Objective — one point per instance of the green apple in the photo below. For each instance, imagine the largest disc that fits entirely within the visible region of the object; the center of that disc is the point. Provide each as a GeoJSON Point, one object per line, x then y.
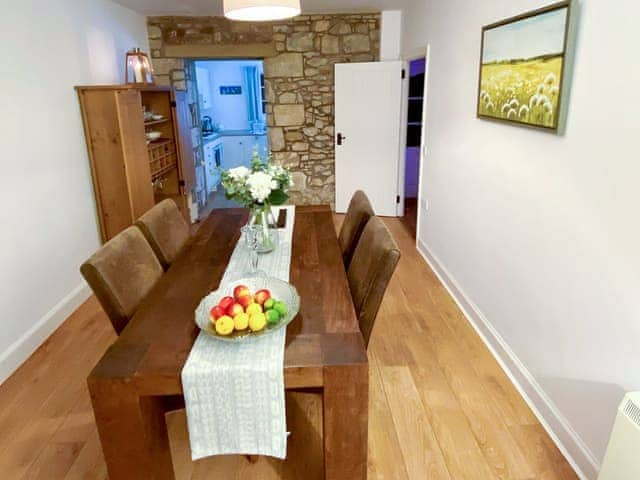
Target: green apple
{"type": "Point", "coordinates": [281, 308]}
{"type": "Point", "coordinates": [273, 317]}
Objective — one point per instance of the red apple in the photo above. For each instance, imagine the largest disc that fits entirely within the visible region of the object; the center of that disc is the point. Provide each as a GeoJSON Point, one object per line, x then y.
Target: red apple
{"type": "Point", "coordinates": [245, 300]}
{"type": "Point", "coordinates": [225, 303]}
{"type": "Point", "coordinates": [240, 291]}
{"type": "Point", "coordinates": [235, 309]}
{"type": "Point", "coordinates": [217, 312]}
{"type": "Point", "coordinates": [262, 296]}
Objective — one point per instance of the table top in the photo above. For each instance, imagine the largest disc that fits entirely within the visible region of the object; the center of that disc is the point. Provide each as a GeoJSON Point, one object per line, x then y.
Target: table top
{"type": "Point", "coordinates": [152, 350]}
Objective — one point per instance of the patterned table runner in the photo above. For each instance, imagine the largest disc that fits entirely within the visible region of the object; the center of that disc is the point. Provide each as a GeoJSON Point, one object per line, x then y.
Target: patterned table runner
{"type": "Point", "coordinates": [234, 393]}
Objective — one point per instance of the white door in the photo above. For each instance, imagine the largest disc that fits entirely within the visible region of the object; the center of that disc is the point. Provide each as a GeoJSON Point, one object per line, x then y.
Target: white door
{"type": "Point", "coordinates": [368, 124]}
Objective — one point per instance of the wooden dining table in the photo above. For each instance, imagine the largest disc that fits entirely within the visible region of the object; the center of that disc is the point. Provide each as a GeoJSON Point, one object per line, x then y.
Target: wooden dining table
{"type": "Point", "coordinates": [138, 379]}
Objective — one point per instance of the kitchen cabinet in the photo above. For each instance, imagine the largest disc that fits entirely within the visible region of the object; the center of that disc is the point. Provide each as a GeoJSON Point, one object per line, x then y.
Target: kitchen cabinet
{"type": "Point", "coordinates": [129, 174]}
{"type": "Point", "coordinates": [238, 149]}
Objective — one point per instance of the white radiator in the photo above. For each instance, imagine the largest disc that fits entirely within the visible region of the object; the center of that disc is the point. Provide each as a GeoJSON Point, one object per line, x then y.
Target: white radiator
{"type": "Point", "coordinates": [622, 460]}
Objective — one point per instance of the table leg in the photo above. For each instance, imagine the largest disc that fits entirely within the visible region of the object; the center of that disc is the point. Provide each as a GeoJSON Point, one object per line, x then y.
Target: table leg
{"type": "Point", "coordinates": [345, 409]}
{"type": "Point", "coordinates": [133, 432]}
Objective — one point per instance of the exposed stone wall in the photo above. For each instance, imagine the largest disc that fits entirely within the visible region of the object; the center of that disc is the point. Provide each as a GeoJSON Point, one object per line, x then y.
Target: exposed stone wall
{"type": "Point", "coordinates": [300, 55]}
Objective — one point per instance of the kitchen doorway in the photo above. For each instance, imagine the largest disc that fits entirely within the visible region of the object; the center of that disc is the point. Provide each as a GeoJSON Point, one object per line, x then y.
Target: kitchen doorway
{"type": "Point", "coordinates": [233, 124]}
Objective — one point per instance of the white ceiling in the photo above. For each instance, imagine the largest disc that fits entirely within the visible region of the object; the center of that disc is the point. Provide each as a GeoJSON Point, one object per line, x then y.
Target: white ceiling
{"type": "Point", "coordinates": [214, 7]}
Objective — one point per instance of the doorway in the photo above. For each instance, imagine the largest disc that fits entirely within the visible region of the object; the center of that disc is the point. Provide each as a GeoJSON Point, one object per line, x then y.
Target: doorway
{"type": "Point", "coordinates": [415, 109]}
{"type": "Point", "coordinates": [233, 125]}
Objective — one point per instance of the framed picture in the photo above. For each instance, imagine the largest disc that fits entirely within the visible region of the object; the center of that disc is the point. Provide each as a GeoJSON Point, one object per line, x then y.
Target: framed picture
{"type": "Point", "coordinates": [522, 67]}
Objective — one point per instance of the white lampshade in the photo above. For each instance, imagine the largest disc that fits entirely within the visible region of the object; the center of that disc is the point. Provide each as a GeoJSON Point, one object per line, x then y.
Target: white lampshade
{"type": "Point", "coordinates": [261, 10]}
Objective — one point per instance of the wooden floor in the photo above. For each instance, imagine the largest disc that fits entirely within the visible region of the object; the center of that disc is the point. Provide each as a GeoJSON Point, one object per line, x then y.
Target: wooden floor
{"type": "Point", "coordinates": [440, 408]}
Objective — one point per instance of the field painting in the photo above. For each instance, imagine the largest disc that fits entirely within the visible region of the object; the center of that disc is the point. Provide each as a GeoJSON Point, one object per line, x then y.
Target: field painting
{"type": "Point", "coordinates": [522, 68]}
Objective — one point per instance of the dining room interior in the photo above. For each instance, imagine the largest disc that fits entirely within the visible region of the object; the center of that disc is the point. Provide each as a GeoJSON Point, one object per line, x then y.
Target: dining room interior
{"type": "Point", "coordinates": [320, 239]}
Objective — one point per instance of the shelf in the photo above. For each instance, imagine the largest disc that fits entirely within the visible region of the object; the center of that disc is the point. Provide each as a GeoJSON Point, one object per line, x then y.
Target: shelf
{"type": "Point", "coordinates": [155, 122]}
{"type": "Point", "coordinates": [163, 171]}
{"type": "Point", "coordinates": [159, 142]}
{"type": "Point", "coordinates": [162, 157]}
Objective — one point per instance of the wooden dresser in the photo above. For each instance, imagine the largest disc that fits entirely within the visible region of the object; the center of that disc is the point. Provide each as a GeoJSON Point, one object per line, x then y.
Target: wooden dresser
{"type": "Point", "coordinates": [130, 174]}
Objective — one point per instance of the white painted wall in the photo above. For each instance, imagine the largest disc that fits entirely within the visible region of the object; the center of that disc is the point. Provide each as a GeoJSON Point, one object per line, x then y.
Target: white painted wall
{"type": "Point", "coordinates": [49, 218]}
{"type": "Point", "coordinates": [390, 35]}
{"type": "Point", "coordinates": [538, 234]}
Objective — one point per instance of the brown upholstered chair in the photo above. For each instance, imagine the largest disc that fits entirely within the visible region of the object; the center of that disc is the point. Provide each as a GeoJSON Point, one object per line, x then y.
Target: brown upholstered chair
{"type": "Point", "coordinates": [121, 274]}
{"type": "Point", "coordinates": [372, 266]}
{"type": "Point", "coordinates": [166, 231]}
{"type": "Point", "coordinates": [358, 214]}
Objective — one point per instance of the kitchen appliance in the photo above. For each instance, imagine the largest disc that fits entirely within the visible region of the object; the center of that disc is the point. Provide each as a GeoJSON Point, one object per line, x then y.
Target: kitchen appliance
{"type": "Point", "coordinates": [207, 125]}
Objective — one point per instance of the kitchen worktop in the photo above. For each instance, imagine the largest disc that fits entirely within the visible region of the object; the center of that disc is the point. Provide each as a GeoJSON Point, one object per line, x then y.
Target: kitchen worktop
{"type": "Point", "coordinates": [231, 133]}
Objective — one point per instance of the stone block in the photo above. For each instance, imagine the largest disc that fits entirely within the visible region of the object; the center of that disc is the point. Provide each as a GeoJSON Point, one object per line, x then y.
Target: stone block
{"type": "Point", "coordinates": [276, 139]}
{"type": "Point", "coordinates": [154, 31]}
{"type": "Point", "coordinates": [288, 97]}
{"type": "Point", "coordinates": [163, 66]}
{"type": "Point", "coordinates": [284, 65]}
{"type": "Point", "coordinates": [321, 25]}
{"type": "Point", "coordinates": [300, 42]}
{"type": "Point", "coordinates": [299, 181]}
{"type": "Point", "coordinates": [293, 137]}
{"type": "Point", "coordinates": [340, 28]}
{"type": "Point", "coordinates": [356, 43]}
{"type": "Point", "coordinates": [289, 115]}
{"type": "Point", "coordinates": [317, 61]}
{"type": "Point", "coordinates": [330, 44]}
{"type": "Point", "coordinates": [300, 147]}
{"type": "Point", "coordinates": [287, 159]}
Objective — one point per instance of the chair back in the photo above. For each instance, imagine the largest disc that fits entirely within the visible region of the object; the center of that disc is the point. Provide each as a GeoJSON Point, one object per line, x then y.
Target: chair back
{"type": "Point", "coordinates": [358, 214]}
{"type": "Point", "coordinates": [121, 274]}
{"type": "Point", "coordinates": [370, 271]}
{"type": "Point", "coordinates": [166, 230]}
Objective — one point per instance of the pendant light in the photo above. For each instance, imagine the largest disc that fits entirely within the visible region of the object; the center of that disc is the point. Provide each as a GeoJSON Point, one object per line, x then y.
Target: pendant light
{"type": "Point", "coordinates": [138, 69]}
{"type": "Point", "coordinates": [261, 10]}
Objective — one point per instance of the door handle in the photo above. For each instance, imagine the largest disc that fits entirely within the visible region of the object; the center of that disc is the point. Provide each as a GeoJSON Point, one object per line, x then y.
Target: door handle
{"type": "Point", "coordinates": [341, 138]}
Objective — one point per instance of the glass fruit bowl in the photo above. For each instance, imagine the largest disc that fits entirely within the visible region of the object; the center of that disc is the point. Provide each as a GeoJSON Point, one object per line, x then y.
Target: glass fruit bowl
{"type": "Point", "coordinates": [278, 291]}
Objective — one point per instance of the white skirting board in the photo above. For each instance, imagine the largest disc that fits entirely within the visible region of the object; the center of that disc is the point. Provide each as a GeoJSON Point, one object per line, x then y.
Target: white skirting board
{"type": "Point", "coordinates": [28, 343]}
{"type": "Point", "coordinates": [556, 425]}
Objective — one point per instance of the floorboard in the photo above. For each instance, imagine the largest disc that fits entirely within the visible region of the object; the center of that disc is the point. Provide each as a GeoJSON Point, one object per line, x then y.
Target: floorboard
{"type": "Point", "coordinates": [441, 407]}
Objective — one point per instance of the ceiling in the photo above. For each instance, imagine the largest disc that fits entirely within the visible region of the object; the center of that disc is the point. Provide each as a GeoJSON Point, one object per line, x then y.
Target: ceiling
{"type": "Point", "coordinates": [214, 7]}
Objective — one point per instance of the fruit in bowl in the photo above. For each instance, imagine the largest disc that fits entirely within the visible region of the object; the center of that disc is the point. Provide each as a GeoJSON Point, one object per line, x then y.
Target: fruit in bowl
{"type": "Point", "coordinates": [245, 310]}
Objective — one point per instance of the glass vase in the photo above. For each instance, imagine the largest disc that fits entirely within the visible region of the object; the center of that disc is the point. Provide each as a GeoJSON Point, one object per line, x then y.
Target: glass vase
{"type": "Point", "coordinates": [261, 215]}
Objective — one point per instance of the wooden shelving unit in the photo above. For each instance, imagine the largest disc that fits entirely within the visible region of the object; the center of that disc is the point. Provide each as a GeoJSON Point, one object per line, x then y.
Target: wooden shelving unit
{"type": "Point", "coordinates": [129, 174]}
{"type": "Point", "coordinates": [150, 123]}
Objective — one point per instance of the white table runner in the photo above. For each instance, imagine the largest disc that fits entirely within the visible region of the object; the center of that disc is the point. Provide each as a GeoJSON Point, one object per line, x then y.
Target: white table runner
{"type": "Point", "coordinates": [234, 392]}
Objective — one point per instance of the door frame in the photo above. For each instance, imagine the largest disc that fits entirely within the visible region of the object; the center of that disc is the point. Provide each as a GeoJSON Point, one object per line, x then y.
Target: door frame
{"type": "Point", "coordinates": [417, 54]}
{"type": "Point", "coordinates": [423, 204]}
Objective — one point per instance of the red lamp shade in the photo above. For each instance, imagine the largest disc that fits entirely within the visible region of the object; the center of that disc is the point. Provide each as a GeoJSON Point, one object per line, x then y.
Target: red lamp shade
{"type": "Point", "coordinates": [138, 68]}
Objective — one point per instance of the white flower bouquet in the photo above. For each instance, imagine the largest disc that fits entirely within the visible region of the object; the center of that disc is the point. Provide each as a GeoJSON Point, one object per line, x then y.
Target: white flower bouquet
{"type": "Point", "coordinates": [262, 184]}
{"type": "Point", "coordinates": [259, 188]}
